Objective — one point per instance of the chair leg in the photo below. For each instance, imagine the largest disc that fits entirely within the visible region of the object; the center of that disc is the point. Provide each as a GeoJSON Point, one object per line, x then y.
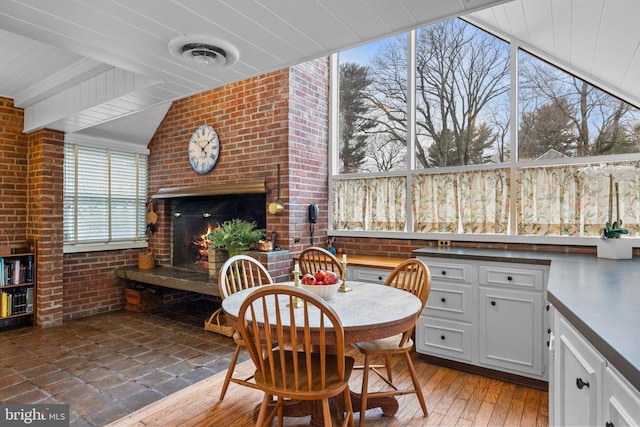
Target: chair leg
{"type": "Point", "coordinates": [264, 407]}
{"type": "Point", "coordinates": [326, 413]}
{"type": "Point", "coordinates": [348, 408]}
{"type": "Point", "coordinates": [416, 384]}
{"type": "Point", "coordinates": [280, 412]}
{"type": "Point", "coordinates": [232, 366]}
{"type": "Point", "coordinates": [364, 391]}
{"type": "Point", "coordinates": [387, 361]}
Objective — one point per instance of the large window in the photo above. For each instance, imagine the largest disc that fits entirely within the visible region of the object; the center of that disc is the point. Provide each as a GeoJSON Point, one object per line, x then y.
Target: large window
{"type": "Point", "coordinates": [104, 196]}
{"type": "Point", "coordinates": [449, 129]}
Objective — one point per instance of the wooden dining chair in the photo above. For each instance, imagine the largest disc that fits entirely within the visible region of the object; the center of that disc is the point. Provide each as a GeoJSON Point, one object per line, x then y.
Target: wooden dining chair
{"type": "Point", "coordinates": [305, 358]}
{"type": "Point", "coordinates": [412, 276]}
{"type": "Point", "coordinates": [238, 273]}
{"type": "Point", "coordinates": [314, 258]}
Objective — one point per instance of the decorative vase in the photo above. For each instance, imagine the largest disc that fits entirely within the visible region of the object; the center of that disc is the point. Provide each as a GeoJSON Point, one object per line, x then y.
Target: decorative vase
{"type": "Point", "coordinates": [217, 258]}
{"type": "Point", "coordinates": [615, 248]}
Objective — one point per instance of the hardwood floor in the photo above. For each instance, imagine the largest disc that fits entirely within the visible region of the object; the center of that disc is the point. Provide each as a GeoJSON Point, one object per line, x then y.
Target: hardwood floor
{"type": "Point", "coordinates": [454, 398]}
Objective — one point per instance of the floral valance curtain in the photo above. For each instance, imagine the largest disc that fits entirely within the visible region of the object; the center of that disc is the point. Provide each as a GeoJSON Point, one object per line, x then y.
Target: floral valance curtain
{"type": "Point", "coordinates": [484, 201]}
{"type": "Point", "coordinates": [370, 204]}
{"type": "Point", "coordinates": [569, 200]}
{"type": "Point", "coordinates": [435, 203]}
{"type": "Point", "coordinates": [577, 200]}
{"type": "Point", "coordinates": [601, 204]}
{"type": "Point", "coordinates": [548, 201]}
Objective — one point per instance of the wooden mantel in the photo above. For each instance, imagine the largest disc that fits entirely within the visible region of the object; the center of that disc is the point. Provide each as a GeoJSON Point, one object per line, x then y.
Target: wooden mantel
{"type": "Point", "coordinates": [214, 189]}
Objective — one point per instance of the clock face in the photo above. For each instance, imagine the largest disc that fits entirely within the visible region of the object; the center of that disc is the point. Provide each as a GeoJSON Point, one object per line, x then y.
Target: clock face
{"type": "Point", "coordinates": [204, 147]}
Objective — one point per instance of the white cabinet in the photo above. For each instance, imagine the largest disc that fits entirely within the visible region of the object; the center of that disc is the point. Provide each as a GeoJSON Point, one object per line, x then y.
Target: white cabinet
{"type": "Point", "coordinates": [577, 371]}
{"type": "Point", "coordinates": [621, 401]}
{"type": "Point", "coordinates": [367, 274]}
{"type": "Point", "coordinates": [585, 389]}
{"type": "Point", "coordinates": [510, 330]}
{"type": "Point", "coordinates": [486, 313]}
{"type": "Point", "coordinates": [445, 328]}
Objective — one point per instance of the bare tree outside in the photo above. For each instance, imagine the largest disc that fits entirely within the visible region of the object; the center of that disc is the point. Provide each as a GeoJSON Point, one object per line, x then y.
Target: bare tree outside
{"type": "Point", "coordinates": [462, 73]}
{"type": "Point", "coordinates": [462, 81]}
{"type": "Point", "coordinates": [561, 112]}
{"type": "Point", "coordinates": [463, 106]}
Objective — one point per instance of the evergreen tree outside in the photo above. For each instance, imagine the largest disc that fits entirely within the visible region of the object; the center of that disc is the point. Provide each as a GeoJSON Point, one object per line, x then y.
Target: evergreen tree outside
{"type": "Point", "coordinates": [354, 122]}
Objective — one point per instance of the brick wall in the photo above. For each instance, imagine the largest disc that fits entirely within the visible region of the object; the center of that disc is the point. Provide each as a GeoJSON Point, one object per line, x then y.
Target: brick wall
{"type": "Point", "coordinates": [278, 118]}
{"type": "Point", "coordinates": [13, 167]}
{"type": "Point", "coordinates": [44, 210]}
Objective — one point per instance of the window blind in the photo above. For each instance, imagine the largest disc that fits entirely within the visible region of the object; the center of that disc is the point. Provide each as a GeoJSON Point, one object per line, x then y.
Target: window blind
{"type": "Point", "coordinates": [104, 195]}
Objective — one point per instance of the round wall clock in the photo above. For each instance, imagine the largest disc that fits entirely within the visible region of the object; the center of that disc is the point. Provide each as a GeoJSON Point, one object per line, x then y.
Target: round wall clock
{"type": "Point", "coordinates": [204, 147]}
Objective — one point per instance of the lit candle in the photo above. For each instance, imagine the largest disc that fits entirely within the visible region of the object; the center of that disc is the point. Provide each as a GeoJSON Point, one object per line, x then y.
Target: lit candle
{"type": "Point", "coordinates": [344, 258]}
{"type": "Point", "coordinates": [296, 269]}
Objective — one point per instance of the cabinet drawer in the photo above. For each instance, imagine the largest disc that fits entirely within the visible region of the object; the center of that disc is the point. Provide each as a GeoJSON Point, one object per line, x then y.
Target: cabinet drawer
{"type": "Point", "coordinates": [449, 271]}
{"type": "Point", "coordinates": [444, 338]}
{"type": "Point", "coordinates": [369, 275]}
{"type": "Point", "coordinates": [450, 301]}
{"type": "Point", "coordinates": [513, 277]}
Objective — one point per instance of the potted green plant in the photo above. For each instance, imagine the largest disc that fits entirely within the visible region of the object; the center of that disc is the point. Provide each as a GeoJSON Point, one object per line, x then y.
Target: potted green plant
{"type": "Point", "coordinates": [236, 236]}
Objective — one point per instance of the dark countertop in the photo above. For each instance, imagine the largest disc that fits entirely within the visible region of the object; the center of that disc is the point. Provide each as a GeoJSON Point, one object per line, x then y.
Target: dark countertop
{"type": "Point", "coordinates": [600, 297]}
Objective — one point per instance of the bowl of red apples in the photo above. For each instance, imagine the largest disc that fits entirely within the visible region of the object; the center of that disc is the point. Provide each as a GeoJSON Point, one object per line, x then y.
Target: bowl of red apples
{"type": "Point", "coordinates": [322, 283]}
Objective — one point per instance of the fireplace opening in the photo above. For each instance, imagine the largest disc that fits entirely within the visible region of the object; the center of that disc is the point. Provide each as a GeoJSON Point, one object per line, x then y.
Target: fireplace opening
{"type": "Point", "coordinates": [193, 217]}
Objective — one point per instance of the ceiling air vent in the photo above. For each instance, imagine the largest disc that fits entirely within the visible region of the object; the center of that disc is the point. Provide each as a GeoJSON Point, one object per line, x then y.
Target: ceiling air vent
{"type": "Point", "coordinates": [203, 50]}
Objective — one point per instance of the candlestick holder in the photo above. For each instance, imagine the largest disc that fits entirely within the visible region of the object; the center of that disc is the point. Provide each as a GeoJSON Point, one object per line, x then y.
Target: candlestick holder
{"type": "Point", "coordinates": [297, 303]}
{"type": "Point", "coordinates": [343, 287]}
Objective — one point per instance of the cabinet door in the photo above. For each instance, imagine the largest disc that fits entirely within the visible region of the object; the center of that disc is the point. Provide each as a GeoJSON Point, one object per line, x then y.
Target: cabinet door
{"type": "Point", "coordinates": [621, 401]}
{"type": "Point", "coordinates": [510, 330]}
{"type": "Point", "coordinates": [577, 372]}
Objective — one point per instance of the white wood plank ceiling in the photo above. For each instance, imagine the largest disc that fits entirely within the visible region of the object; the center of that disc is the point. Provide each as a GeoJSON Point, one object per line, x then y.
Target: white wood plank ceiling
{"type": "Point", "coordinates": [103, 67]}
{"type": "Point", "coordinates": [598, 39]}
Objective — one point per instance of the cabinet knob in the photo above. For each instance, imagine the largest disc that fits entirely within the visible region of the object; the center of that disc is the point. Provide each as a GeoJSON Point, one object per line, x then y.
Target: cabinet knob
{"type": "Point", "coordinates": [380, 278]}
{"type": "Point", "coordinates": [609, 424]}
{"type": "Point", "coordinates": [443, 299]}
{"type": "Point", "coordinates": [493, 303]}
{"type": "Point", "coordinates": [442, 337]}
{"type": "Point", "coordinates": [549, 330]}
{"type": "Point", "coordinates": [509, 278]}
{"type": "Point", "coordinates": [581, 384]}
{"type": "Point", "coordinates": [444, 273]}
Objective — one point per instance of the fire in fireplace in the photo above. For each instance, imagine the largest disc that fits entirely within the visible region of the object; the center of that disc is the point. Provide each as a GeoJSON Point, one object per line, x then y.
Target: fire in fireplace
{"type": "Point", "coordinates": [194, 217]}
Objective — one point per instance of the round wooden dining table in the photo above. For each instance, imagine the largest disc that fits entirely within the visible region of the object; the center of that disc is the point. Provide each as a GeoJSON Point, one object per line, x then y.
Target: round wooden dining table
{"type": "Point", "coordinates": [368, 312]}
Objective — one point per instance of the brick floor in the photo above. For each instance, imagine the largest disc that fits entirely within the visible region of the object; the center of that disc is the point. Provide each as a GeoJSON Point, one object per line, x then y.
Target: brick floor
{"type": "Point", "coordinates": [109, 365]}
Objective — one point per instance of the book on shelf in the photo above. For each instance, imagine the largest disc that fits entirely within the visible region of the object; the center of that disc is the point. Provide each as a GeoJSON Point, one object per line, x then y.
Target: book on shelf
{"type": "Point", "coordinates": [16, 302]}
{"type": "Point", "coordinates": [16, 272]}
{"type": "Point", "coordinates": [5, 306]}
{"type": "Point", "coordinates": [29, 301]}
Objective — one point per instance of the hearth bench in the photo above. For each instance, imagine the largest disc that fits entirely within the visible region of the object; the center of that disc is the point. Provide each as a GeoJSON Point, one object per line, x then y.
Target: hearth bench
{"type": "Point", "coordinates": [175, 278]}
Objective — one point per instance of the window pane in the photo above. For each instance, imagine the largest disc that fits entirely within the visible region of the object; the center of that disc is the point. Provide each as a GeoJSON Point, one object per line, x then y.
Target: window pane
{"type": "Point", "coordinates": [462, 96]}
{"type": "Point", "coordinates": [561, 115]}
{"type": "Point", "coordinates": [373, 107]}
